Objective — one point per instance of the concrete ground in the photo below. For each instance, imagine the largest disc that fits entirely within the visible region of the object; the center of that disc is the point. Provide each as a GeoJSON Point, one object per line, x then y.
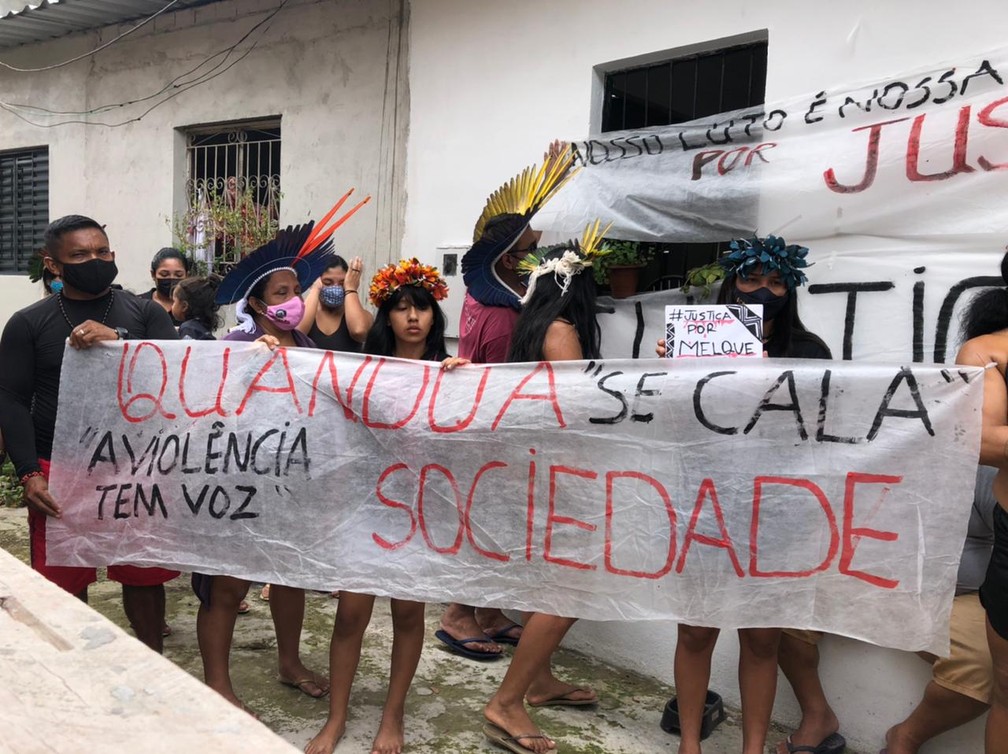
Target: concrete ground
{"type": "Point", "coordinates": [445, 704]}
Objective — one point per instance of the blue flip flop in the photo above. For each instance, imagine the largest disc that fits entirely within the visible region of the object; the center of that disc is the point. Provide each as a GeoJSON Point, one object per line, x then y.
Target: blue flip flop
{"type": "Point", "coordinates": [459, 646]}
{"type": "Point", "coordinates": [501, 637]}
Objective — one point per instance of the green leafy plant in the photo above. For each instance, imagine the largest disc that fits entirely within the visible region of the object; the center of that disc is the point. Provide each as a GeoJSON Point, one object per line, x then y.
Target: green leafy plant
{"type": "Point", "coordinates": [703, 278]}
{"type": "Point", "coordinates": [233, 223]}
{"type": "Point", "coordinates": [621, 254]}
{"type": "Point", "coordinates": [10, 487]}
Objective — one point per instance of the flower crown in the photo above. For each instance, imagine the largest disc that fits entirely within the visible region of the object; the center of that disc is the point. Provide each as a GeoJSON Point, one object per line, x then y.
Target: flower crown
{"type": "Point", "coordinates": [770, 254]}
{"type": "Point", "coordinates": [407, 272]}
{"type": "Point", "coordinates": [576, 258]}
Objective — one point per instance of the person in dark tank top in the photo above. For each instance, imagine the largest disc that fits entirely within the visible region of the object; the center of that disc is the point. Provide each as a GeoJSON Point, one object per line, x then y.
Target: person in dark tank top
{"type": "Point", "coordinates": [334, 318]}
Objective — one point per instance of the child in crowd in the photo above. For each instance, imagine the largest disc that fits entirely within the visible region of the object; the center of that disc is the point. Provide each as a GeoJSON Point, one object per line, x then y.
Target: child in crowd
{"type": "Point", "coordinates": [193, 305]}
{"type": "Point", "coordinates": [409, 325]}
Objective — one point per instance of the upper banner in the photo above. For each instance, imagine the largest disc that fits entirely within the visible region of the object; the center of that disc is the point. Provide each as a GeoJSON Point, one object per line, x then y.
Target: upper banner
{"type": "Point", "coordinates": [897, 187]}
{"type": "Point", "coordinates": [726, 493]}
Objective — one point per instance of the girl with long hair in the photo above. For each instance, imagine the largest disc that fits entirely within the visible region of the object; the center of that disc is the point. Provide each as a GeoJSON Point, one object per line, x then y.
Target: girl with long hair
{"type": "Point", "coordinates": [409, 325]}
{"type": "Point", "coordinates": [557, 323]}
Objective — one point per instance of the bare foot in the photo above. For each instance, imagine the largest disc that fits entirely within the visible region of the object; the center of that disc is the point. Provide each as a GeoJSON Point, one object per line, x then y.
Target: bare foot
{"type": "Point", "coordinates": [685, 748]}
{"type": "Point", "coordinates": [897, 742]}
{"type": "Point", "coordinates": [459, 622]}
{"type": "Point", "coordinates": [230, 696]}
{"type": "Point", "coordinates": [514, 720]}
{"type": "Point", "coordinates": [558, 693]}
{"type": "Point", "coordinates": [327, 738]}
{"type": "Point", "coordinates": [494, 623]}
{"type": "Point", "coordinates": [390, 737]}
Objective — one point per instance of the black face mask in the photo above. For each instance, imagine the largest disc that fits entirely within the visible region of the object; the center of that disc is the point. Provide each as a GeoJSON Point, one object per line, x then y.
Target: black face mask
{"type": "Point", "coordinates": [772, 303]}
{"type": "Point", "coordinates": [92, 277]}
{"type": "Point", "coordinates": [165, 286]}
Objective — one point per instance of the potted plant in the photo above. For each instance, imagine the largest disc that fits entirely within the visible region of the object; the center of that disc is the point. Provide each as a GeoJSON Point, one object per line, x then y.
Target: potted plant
{"type": "Point", "coordinates": [621, 265]}
{"type": "Point", "coordinates": [219, 228]}
{"type": "Point", "coordinates": [703, 278]}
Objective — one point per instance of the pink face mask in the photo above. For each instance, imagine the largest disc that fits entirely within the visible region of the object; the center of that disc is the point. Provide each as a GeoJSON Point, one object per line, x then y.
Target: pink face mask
{"type": "Point", "coordinates": [287, 315]}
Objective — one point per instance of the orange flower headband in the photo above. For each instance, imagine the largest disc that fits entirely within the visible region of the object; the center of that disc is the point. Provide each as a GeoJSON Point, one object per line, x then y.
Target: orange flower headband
{"type": "Point", "coordinates": [407, 272]}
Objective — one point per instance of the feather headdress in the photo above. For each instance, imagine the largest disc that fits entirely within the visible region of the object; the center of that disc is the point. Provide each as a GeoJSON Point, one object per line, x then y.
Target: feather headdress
{"type": "Point", "coordinates": [575, 259]}
{"type": "Point", "coordinates": [305, 250]}
{"type": "Point", "coordinates": [518, 200]}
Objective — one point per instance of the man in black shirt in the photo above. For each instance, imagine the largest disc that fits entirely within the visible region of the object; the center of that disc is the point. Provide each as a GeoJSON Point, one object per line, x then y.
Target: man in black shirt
{"type": "Point", "coordinates": [87, 311]}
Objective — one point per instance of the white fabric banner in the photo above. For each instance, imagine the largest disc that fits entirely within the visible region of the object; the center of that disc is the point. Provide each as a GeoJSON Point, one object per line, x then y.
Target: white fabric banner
{"type": "Point", "coordinates": [897, 187]}
{"type": "Point", "coordinates": [719, 492]}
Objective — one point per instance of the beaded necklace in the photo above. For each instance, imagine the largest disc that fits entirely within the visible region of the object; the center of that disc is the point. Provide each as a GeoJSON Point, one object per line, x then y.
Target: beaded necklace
{"type": "Point", "coordinates": [59, 300]}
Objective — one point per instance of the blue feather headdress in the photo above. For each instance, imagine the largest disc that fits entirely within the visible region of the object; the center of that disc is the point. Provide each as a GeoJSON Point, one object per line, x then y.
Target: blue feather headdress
{"type": "Point", "coordinates": [769, 254]}
{"type": "Point", "coordinates": [305, 250]}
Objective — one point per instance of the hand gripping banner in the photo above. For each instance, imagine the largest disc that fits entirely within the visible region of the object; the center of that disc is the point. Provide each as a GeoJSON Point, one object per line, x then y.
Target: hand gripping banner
{"type": "Point", "coordinates": [726, 493]}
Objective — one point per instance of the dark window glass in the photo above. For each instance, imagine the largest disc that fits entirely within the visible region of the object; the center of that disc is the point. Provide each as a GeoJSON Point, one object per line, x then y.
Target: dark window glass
{"type": "Point", "coordinates": [24, 207]}
{"type": "Point", "coordinates": [676, 91]}
{"type": "Point", "coordinates": [684, 89]}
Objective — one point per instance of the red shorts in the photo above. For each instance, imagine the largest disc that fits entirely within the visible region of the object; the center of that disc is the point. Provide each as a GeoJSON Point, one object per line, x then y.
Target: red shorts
{"type": "Point", "coordinates": [75, 579]}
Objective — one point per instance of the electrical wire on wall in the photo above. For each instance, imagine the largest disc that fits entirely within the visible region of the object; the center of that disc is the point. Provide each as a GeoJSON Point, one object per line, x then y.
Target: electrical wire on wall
{"type": "Point", "coordinates": [111, 42]}
{"type": "Point", "coordinates": [177, 86]}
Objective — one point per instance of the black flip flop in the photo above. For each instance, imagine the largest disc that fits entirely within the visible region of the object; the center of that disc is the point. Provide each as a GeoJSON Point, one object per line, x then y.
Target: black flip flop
{"type": "Point", "coordinates": [459, 646]}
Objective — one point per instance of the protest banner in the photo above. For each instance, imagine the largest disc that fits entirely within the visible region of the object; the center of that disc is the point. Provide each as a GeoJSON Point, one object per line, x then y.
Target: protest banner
{"type": "Point", "coordinates": [896, 186]}
{"type": "Point", "coordinates": [719, 492]}
{"type": "Point", "coordinates": [734, 330]}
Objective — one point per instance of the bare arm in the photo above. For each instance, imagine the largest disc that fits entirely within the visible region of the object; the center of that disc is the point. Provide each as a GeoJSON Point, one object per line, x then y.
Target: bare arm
{"type": "Point", "coordinates": [358, 319]}
{"type": "Point", "coordinates": [311, 303]}
{"type": "Point", "coordinates": [980, 352]}
{"type": "Point", "coordinates": [561, 342]}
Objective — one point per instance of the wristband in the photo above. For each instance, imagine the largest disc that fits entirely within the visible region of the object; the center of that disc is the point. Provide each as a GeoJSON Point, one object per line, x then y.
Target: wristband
{"type": "Point", "coordinates": [24, 479]}
{"type": "Point", "coordinates": [348, 290]}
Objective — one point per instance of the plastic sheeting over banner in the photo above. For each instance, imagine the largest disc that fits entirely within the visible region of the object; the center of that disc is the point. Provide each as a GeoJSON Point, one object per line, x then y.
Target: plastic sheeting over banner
{"type": "Point", "coordinates": [727, 493]}
{"type": "Point", "coordinates": [897, 187]}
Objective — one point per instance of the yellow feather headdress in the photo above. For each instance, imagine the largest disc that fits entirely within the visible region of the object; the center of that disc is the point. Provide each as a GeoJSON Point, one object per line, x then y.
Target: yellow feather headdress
{"type": "Point", "coordinates": [528, 191]}
{"type": "Point", "coordinates": [518, 199]}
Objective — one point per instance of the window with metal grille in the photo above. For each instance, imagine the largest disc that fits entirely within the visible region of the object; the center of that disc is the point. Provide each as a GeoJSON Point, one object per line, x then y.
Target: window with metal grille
{"type": "Point", "coordinates": [233, 189]}
{"type": "Point", "coordinates": [24, 206]}
{"type": "Point", "coordinates": [678, 90]}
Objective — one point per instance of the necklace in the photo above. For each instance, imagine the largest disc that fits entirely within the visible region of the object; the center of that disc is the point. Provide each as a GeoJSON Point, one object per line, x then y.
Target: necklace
{"type": "Point", "coordinates": [59, 300]}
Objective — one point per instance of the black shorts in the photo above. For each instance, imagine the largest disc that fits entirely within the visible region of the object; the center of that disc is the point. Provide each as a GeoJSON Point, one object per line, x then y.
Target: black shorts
{"type": "Point", "coordinates": [994, 591]}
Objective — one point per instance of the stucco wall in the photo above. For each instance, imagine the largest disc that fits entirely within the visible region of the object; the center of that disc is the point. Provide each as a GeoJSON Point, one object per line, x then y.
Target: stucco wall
{"type": "Point", "coordinates": [329, 69]}
{"type": "Point", "coordinates": [492, 83]}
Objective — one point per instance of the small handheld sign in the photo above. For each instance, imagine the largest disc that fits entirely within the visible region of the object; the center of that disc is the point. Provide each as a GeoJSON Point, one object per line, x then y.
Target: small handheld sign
{"type": "Point", "coordinates": [697, 331]}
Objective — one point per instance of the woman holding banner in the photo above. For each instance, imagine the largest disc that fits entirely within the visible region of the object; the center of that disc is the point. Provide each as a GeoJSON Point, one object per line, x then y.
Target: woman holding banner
{"type": "Point", "coordinates": [557, 323]}
{"type": "Point", "coordinates": [409, 325]}
{"type": "Point", "coordinates": [986, 327]}
{"type": "Point", "coordinates": [765, 271]}
{"type": "Point", "coordinates": [266, 285]}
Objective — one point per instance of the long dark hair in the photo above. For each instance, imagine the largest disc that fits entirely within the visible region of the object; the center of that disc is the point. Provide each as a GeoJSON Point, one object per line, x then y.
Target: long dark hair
{"type": "Point", "coordinates": [549, 303]}
{"type": "Point", "coordinates": [988, 310]}
{"type": "Point", "coordinates": [380, 339]}
{"type": "Point", "coordinates": [787, 325]}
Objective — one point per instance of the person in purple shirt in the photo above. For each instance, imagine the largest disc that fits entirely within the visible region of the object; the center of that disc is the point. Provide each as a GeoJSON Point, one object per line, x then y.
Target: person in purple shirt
{"type": "Point", "coordinates": [266, 285]}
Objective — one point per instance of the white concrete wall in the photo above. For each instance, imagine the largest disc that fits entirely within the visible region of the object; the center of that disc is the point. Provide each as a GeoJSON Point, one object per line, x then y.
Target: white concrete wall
{"type": "Point", "coordinates": [492, 83]}
{"type": "Point", "coordinates": [328, 68]}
